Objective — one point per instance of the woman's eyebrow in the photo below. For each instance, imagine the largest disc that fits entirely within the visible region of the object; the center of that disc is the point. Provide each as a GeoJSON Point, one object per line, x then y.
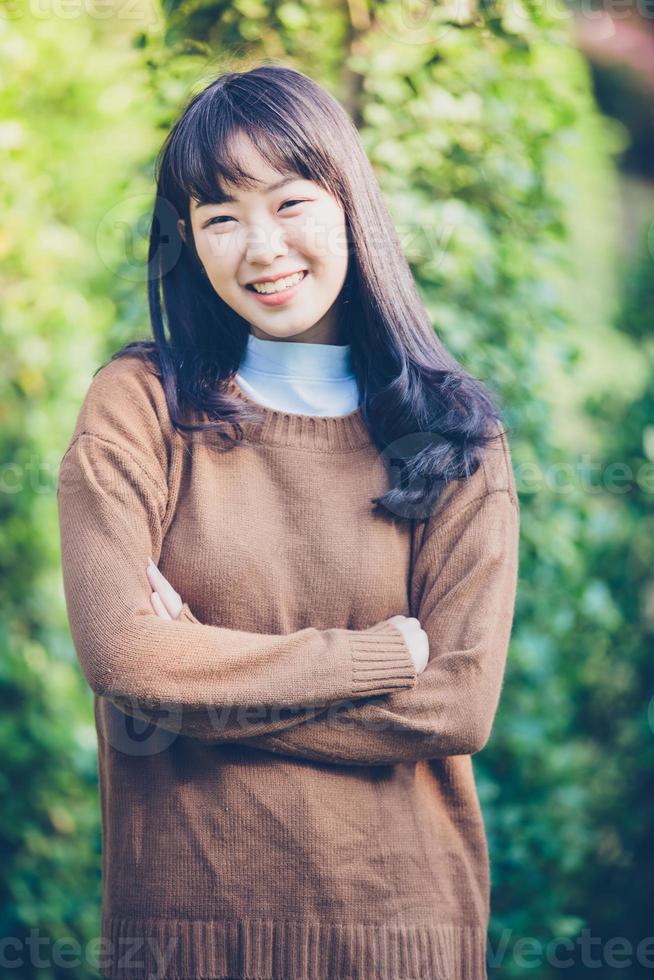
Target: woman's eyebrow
{"type": "Point", "coordinates": [227, 198]}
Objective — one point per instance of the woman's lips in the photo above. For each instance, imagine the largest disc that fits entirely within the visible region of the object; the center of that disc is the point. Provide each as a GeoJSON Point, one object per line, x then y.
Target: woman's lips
{"type": "Point", "coordinates": [276, 299]}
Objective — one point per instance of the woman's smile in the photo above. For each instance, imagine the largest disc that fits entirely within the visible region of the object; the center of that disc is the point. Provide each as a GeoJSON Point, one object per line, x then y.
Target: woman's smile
{"type": "Point", "coordinates": [276, 296]}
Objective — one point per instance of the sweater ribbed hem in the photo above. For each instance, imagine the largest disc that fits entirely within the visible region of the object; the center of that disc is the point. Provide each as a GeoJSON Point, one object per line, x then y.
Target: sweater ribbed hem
{"type": "Point", "coordinates": [381, 660]}
{"type": "Point", "coordinates": [268, 949]}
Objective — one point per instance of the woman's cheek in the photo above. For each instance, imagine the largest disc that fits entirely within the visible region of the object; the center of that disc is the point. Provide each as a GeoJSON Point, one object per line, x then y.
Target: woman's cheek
{"type": "Point", "coordinates": [217, 247]}
{"type": "Point", "coordinates": [325, 237]}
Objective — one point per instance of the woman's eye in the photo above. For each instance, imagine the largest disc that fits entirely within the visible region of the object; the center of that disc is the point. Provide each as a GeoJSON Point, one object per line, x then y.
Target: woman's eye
{"type": "Point", "coordinates": [219, 217]}
{"type": "Point", "coordinates": [222, 218]}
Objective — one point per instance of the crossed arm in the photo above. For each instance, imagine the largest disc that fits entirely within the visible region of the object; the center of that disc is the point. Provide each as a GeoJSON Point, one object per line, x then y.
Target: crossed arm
{"type": "Point", "coordinates": [463, 591]}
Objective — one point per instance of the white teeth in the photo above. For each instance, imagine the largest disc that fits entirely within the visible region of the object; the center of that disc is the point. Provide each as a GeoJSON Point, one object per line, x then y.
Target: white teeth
{"type": "Point", "coordinates": [279, 285]}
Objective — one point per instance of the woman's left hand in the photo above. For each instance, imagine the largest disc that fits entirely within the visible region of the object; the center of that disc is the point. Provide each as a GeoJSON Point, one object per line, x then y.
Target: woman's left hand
{"type": "Point", "coordinates": [166, 602]}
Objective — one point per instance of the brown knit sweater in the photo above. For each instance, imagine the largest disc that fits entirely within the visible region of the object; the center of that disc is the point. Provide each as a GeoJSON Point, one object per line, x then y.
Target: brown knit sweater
{"type": "Point", "coordinates": [282, 797]}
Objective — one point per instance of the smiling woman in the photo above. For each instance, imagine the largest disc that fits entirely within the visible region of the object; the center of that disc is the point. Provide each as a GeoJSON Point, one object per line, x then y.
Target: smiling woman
{"type": "Point", "coordinates": [314, 672]}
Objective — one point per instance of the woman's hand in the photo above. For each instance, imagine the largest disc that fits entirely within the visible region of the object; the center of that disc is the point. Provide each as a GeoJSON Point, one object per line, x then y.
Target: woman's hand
{"type": "Point", "coordinates": [166, 602]}
{"type": "Point", "coordinates": [416, 639]}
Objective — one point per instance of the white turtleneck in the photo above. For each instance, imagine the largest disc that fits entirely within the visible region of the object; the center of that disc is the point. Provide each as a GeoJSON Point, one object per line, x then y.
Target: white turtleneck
{"type": "Point", "coordinates": [292, 376]}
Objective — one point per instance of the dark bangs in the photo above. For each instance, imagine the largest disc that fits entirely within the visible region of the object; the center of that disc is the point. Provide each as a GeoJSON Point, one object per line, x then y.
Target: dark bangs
{"type": "Point", "coordinates": [200, 159]}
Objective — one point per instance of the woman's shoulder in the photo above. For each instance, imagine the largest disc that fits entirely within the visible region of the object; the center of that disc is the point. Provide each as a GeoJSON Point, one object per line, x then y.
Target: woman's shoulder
{"type": "Point", "coordinates": [496, 467]}
{"type": "Point", "coordinates": [125, 403]}
{"type": "Point", "coordinates": [491, 472]}
{"type": "Point", "coordinates": [134, 365]}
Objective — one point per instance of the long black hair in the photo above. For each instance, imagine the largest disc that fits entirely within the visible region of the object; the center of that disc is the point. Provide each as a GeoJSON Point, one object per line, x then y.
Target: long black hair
{"type": "Point", "coordinates": [414, 395]}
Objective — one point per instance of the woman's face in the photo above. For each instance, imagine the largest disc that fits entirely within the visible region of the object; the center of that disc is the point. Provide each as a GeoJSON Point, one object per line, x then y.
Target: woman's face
{"type": "Point", "coordinates": [271, 232]}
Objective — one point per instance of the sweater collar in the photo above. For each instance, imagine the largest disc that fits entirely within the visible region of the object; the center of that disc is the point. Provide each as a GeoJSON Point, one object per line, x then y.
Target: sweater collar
{"type": "Point", "coordinates": [325, 433]}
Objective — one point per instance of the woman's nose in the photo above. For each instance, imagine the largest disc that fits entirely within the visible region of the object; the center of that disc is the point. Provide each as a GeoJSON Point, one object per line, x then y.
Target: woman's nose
{"type": "Point", "coordinates": [265, 242]}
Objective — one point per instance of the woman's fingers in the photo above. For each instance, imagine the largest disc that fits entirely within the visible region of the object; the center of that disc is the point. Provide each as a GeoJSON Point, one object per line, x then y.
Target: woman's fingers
{"type": "Point", "coordinates": [171, 599]}
{"type": "Point", "coordinates": [158, 606]}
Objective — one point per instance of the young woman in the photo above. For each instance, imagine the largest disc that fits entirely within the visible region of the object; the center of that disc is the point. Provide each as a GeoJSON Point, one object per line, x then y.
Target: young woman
{"type": "Point", "coordinates": [289, 532]}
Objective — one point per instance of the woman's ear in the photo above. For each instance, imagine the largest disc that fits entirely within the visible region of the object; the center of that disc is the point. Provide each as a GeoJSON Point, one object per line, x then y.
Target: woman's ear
{"type": "Point", "coordinates": [181, 228]}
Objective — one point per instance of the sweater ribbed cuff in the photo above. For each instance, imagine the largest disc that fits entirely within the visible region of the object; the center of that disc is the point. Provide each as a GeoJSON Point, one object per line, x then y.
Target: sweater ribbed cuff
{"type": "Point", "coordinates": [381, 660]}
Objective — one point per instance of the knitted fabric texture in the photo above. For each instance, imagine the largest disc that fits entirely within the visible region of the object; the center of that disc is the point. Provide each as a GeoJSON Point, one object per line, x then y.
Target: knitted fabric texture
{"type": "Point", "coordinates": [282, 797]}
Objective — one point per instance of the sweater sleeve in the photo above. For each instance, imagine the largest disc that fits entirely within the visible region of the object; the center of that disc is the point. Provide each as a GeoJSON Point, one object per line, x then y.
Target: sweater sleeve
{"type": "Point", "coordinates": [207, 681]}
{"type": "Point", "coordinates": [464, 588]}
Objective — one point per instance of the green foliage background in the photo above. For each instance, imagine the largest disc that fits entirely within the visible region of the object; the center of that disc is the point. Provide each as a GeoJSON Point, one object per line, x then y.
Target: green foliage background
{"type": "Point", "coordinates": [501, 176]}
